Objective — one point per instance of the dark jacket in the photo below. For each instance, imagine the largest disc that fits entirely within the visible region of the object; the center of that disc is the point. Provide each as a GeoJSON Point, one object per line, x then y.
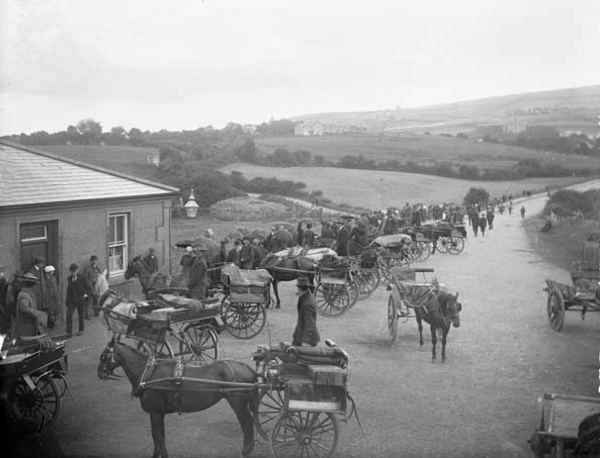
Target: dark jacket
{"type": "Point", "coordinates": [342, 244]}
{"type": "Point", "coordinates": [77, 287]}
{"type": "Point", "coordinates": [198, 273]}
{"type": "Point", "coordinates": [151, 262]}
{"type": "Point", "coordinates": [306, 331]}
{"type": "Point", "coordinates": [247, 254]}
{"type": "Point", "coordinates": [309, 237]}
{"type": "Point", "coordinates": [29, 318]}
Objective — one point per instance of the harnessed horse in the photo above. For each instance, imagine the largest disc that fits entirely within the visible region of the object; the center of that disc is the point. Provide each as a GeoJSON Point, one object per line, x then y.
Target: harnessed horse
{"type": "Point", "coordinates": [151, 281]}
{"type": "Point", "coordinates": [168, 386]}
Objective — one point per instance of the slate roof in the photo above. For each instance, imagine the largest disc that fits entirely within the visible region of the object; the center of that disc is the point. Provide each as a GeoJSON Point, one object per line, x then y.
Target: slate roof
{"type": "Point", "coordinates": [30, 177]}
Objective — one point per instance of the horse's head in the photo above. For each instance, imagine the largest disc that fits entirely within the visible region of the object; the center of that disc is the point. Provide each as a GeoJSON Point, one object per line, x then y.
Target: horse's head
{"type": "Point", "coordinates": [453, 308]}
{"type": "Point", "coordinates": [109, 361]}
{"type": "Point", "coordinates": [133, 268]}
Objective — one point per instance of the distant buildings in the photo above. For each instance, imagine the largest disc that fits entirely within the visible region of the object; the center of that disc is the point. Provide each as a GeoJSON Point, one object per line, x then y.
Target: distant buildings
{"type": "Point", "coordinates": [515, 126]}
{"type": "Point", "coordinates": [314, 129]}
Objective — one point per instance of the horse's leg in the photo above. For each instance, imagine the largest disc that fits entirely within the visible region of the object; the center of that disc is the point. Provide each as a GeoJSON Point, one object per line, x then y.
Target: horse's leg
{"type": "Point", "coordinates": [276, 294]}
{"type": "Point", "coordinates": [433, 343]}
{"type": "Point", "coordinates": [157, 421]}
{"type": "Point", "coordinates": [241, 407]}
{"type": "Point", "coordinates": [444, 336]}
{"type": "Point", "coordinates": [420, 325]}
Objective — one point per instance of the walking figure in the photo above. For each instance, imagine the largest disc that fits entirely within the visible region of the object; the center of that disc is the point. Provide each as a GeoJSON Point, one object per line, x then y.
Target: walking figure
{"type": "Point", "coordinates": [522, 211]}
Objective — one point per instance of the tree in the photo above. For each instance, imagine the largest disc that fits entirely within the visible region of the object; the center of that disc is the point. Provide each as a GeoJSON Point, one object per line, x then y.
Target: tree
{"type": "Point", "coordinates": [73, 136]}
{"type": "Point", "coordinates": [117, 136]}
{"type": "Point", "coordinates": [90, 131]}
{"type": "Point", "coordinates": [248, 151]}
{"type": "Point", "coordinates": [476, 196]}
{"type": "Point", "coordinates": [301, 157]}
{"type": "Point", "coordinates": [136, 137]}
{"type": "Point", "coordinates": [281, 156]}
{"type": "Point", "coordinates": [319, 159]}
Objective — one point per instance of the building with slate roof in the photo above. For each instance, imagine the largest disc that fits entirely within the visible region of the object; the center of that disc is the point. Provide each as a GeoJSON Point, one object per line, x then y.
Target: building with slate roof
{"type": "Point", "coordinates": [65, 211]}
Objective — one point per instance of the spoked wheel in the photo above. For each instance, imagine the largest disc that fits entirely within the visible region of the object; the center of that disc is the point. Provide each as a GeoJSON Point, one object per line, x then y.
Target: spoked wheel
{"type": "Point", "coordinates": [158, 350]}
{"type": "Point", "coordinates": [354, 287]}
{"type": "Point", "coordinates": [33, 410]}
{"type": "Point", "coordinates": [423, 251]}
{"type": "Point", "coordinates": [332, 299]}
{"type": "Point", "coordinates": [392, 318]}
{"type": "Point", "coordinates": [304, 434]}
{"type": "Point", "coordinates": [369, 283]}
{"type": "Point", "coordinates": [588, 440]}
{"type": "Point", "coordinates": [443, 244]}
{"type": "Point", "coordinates": [244, 320]}
{"type": "Point", "coordinates": [556, 309]}
{"type": "Point", "coordinates": [456, 245]}
{"type": "Point", "coordinates": [199, 343]}
{"type": "Point", "coordinates": [270, 405]}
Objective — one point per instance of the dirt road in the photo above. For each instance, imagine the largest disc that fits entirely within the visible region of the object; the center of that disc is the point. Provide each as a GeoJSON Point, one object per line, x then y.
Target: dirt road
{"type": "Point", "coordinates": [480, 404]}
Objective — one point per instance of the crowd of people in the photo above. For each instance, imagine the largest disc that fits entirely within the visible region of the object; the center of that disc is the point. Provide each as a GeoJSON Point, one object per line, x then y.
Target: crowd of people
{"type": "Point", "coordinates": [31, 302]}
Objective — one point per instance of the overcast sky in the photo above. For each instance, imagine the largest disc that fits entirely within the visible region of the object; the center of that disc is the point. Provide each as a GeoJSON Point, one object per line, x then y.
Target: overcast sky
{"type": "Point", "coordinates": [182, 64]}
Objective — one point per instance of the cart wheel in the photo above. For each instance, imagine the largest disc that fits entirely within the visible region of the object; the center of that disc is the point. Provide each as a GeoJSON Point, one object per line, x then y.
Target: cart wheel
{"type": "Point", "coordinates": [369, 283]}
{"type": "Point", "coordinates": [199, 343]}
{"type": "Point", "coordinates": [158, 350]}
{"type": "Point", "coordinates": [33, 410]}
{"type": "Point", "coordinates": [332, 299]}
{"type": "Point", "coordinates": [423, 251]}
{"type": "Point", "coordinates": [443, 244]}
{"type": "Point", "coordinates": [556, 309]}
{"type": "Point", "coordinates": [270, 405]}
{"type": "Point", "coordinates": [304, 434]}
{"type": "Point", "coordinates": [392, 318]}
{"type": "Point", "coordinates": [244, 320]}
{"type": "Point", "coordinates": [354, 286]}
{"type": "Point", "coordinates": [456, 245]}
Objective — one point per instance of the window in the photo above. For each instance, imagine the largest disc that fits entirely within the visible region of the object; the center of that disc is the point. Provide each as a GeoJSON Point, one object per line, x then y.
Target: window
{"type": "Point", "coordinates": [118, 239]}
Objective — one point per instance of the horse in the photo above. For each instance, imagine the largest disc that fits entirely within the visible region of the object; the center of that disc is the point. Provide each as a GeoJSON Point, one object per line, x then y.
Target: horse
{"type": "Point", "coordinates": [151, 281]}
{"type": "Point", "coordinates": [188, 396]}
{"type": "Point", "coordinates": [439, 310]}
{"type": "Point", "coordinates": [115, 314]}
{"type": "Point", "coordinates": [288, 269]}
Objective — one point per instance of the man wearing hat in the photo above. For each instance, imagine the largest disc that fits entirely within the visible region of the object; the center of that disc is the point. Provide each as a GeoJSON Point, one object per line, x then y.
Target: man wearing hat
{"type": "Point", "coordinates": [54, 296]}
{"type": "Point", "coordinates": [198, 275]}
{"type": "Point", "coordinates": [29, 320]}
{"type": "Point", "coordinates": [306, 331]}
{"type": "Point", "coordinates": [246, 254]}
{"type": "Point", "coordinates": [187, 261]}
{"type": "Point", "coordinates": [342, 242]}
{"type": "Point", "coordinates": [77, 294]}
{"type": "Point", "coordinates": [91, 274]}
{"type": "Point", "coordinates": [233, 257]}
{"type": "Point", "coordinates": [41, 294]}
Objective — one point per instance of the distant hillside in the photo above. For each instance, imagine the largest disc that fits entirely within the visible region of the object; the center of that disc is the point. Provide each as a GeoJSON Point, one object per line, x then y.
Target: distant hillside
{"type": "Point", "coordinates": [574, 109]}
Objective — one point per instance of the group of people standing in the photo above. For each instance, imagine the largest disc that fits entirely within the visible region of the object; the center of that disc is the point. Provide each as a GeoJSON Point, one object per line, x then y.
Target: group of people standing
{"type": "Point", "coordinates": [32, 302]}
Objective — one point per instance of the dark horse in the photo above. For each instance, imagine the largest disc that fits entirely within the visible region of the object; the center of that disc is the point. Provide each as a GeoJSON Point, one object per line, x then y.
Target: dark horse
{"type": "Point", "coordinates": [152, 281]}
{"type": "Point", "coordinates": [166, 398]}
{"type": "Point", "coordinates": [439, 310]}
{"type": "Point", "coordinates": [287, 269]}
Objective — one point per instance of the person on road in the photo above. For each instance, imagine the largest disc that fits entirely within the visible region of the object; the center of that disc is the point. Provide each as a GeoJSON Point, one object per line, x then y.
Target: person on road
{"type": "Point", "coordinates": [187, 261]}
{"type": "Point", "coordinates": [309, 236]}
{"type": "Point", "coordinates": [522, 211]}
{"type": "Point", "coordinates": [233, 257]}
{"type": "Point", "coordinates": [482, 224]}
{"type": "Point", "coordinates": [306, 331]}
{"type": "Point", "coordinates": [474, 223]}
{"type": "Point", "coordinates": [77, 296]}
{"type": "Point", "coordinates": [91, 274]}
{"type": "Point", "coordinates": [198, 276]}
{"type": "Point", "coordinates": [29, 319]}
{"type": "Point", "coordinates": [54, 296]}
{"type": "Point", "coordinates": [342, 243]}
{"type": "Point", "coordinates": [151, 260]}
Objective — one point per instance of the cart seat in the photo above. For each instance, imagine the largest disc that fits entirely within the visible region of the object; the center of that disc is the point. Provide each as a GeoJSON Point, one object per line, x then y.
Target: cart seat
{"type": "Point", "coordinates": [314, 355]}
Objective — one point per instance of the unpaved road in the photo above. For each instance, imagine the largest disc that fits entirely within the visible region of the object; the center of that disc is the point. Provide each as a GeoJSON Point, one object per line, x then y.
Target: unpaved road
{"type": "Point", "coordinates": [480, 404]}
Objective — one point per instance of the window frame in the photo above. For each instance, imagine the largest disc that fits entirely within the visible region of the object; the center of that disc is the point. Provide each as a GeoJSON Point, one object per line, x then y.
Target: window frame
{"type": "Point", "coordinates": [113, 218]}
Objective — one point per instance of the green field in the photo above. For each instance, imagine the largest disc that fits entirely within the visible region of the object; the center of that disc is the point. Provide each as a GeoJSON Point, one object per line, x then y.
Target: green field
{"type": "Point", "coordinates": [424, 150]}
{"type": "Point", "coordinates": [379, 190]}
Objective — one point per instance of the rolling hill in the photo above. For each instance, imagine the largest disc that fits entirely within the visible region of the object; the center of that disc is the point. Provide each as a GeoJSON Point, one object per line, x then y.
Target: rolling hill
{"type": "Point", "coordinates": [574, 109]}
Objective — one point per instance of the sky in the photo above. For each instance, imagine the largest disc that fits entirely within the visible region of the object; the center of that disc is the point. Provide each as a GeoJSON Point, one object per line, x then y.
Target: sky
{"type": "Point", "coordinates": [184, 64]}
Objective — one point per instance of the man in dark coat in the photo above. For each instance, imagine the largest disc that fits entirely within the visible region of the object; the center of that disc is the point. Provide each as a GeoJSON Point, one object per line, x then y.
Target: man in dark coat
{"type": "Point", "coordinates": [482, 224]}
{"type": "Point", "coordinates": [475, 223]}
{"type": "Point", "coordinates": [77, 295]}
{"type": "Point", "coordinates": [29, 319]}
{"type": "Point", "coordinates": [342, 243]}
{"type": "Point", "coordinates": [259, 252]}
{"type": "Point", "coordinates": [306, 331]}
{"type": "Point", "coordinates": [309, 236]}
{"type": "Point", "coordinates": [233, 257]}
{"type": "Point", "coordinates": [198, 276]}
{"type": "Point", "coordinates": [91, 274]}
{"type": "Point", "coordinates": [246, 254]}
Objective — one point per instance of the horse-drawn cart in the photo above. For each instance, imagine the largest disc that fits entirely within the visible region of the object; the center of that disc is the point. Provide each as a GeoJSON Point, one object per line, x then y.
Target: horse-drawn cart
{"type": "Point", "coordinates": [569, 427]}
{"type": "Point", "coordinates": [32, 385]}
{"type": "Point", "coordinates": [563, 297]}
{"type": "Point", "coordinates": [246, 294]}
{"type": "Point", "coordinates": [447, 238]}
{"type": "Point", "coordinates": [336, 291]}
{"type": "Point", "coordinates": [302, 394]}
{"type": "Point", "coordinates": [175, 326]}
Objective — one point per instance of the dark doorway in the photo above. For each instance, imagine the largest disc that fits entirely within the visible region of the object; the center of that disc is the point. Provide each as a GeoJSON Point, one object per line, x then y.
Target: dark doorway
{"type": "Point", "coordinates": [39, 240]}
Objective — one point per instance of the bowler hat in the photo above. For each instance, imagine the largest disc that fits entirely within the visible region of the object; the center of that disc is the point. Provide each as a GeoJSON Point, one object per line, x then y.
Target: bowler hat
{"type": "Point", "coordinates": [93, 258]}
{"type": "Point", "coordinates": [73, 267]}
{"type": "Point", "coordinates": [347, 217]}
{"type": "Point", "coordinates": [302, 281]}
{"type": "Point", "coordinates": [30, 278]}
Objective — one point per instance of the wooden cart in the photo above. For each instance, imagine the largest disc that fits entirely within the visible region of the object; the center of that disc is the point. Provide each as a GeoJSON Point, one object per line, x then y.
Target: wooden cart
{"type": "Point", "coordinates": [558, 432]}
